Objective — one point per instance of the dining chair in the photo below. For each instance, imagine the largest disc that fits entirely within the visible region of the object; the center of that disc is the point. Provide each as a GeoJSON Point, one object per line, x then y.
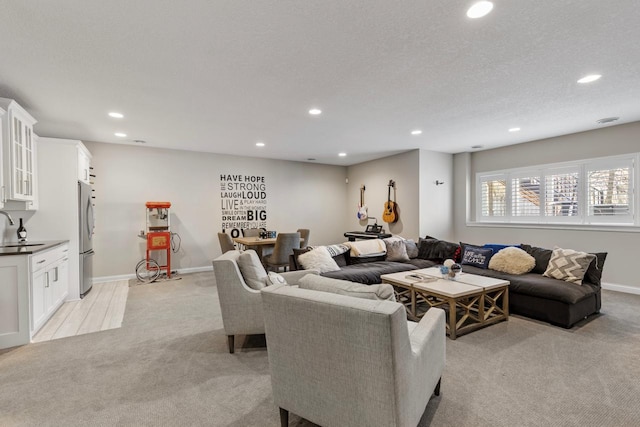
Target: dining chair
{"type": "Point", "coordinates": [226, 242]}
{"type": "Point", "coordinates": [285, 244]}
{"type": "Point", "coordinates": [251, 232]}
{"type": "Point", "coordinates": [304, 235]}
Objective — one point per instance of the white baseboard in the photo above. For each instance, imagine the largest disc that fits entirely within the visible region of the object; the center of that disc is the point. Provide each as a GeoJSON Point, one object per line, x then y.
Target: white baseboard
{"type": "Point", "coordinates": [104, 279]}
{"type": "Point", "coordinates": [621, 288]}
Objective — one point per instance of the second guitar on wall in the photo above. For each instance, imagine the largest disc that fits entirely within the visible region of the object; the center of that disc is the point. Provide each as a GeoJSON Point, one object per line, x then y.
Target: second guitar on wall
{"type": "Point", "coordinates": [390, 214]}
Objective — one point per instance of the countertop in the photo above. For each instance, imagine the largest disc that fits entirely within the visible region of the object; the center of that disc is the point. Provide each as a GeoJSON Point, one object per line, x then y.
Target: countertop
{"type": "Point", "coordinates": [25, 249]}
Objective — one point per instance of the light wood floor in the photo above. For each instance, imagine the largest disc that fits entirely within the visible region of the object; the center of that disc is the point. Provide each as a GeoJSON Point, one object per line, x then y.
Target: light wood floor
{"type": "Point", "coordinates": [102, 309]}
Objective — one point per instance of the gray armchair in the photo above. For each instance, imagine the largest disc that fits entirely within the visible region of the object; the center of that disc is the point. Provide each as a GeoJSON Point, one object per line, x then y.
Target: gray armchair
{"type": "Point", "coordinates": [285, 244]}
{"type": "Point", "coordinates": [226, 242]}
{"type": "Point", "coordinates": [343, 361]}
{"type": "Point", "coordinates": [241, 305]}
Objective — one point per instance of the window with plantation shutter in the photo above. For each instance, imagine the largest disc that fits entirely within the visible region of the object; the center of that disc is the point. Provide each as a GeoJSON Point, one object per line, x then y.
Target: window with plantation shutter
{"type": "Point", "coordinates": [525, 196]}
{"type": "Point", "coordinates": [585, 192]}
{"type": "Point", "coordinates": [609, 192]}
{"type": "Point", "coordinates": [493, 196]}
{"type": "Point", "coordinates": [561, 189]}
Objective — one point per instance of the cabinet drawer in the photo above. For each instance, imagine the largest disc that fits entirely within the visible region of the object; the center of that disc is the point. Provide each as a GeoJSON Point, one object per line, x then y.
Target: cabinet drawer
{"type": "Point", "coordinates": [43, 259]}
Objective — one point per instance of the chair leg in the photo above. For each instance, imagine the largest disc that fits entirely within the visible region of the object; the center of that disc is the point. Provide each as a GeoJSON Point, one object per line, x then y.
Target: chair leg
{"type": "Point", "coordinates": [284, 417]}
{"type": "Point", "coordinates": [437, 390]}
{"type": "Point", "coordinates": [230, 339]}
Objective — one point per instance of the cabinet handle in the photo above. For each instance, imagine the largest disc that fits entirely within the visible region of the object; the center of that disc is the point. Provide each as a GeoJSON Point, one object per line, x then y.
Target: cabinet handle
{"type": "Point", "coordinates": [65, 259]}
{"type": "Point", "coordinates": [40, 262]}
{"type": "Point", "coordinates": [55, 275]}
{"type": "Point", "coordinates": [3, 197]}
{"type": "Point", "coordinates": [46, 275]}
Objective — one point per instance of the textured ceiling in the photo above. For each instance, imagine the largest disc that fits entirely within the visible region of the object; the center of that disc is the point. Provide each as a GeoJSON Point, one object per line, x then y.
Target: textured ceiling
{"type": "Point", "coordinates": [217, 76]}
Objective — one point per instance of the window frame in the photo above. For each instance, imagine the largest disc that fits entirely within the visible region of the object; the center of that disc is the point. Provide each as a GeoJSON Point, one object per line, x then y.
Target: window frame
{"type": "Point", "coordinates": [544, 171]}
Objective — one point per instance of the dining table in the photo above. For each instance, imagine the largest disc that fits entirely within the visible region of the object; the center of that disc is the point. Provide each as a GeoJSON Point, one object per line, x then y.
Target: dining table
{"type": "Point", "coordinates": [258, 244]}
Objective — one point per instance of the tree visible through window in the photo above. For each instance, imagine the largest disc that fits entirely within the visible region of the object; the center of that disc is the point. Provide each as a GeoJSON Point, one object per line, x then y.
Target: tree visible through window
{"type": "Point", "coordinates": [596, 191]}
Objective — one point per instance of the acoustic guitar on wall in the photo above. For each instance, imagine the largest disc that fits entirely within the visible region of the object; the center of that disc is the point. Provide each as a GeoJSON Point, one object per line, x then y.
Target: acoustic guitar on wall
{"type": "Point", "coordinates": [390, 214]}
{"type": "Point", "coordinates": [362, 208]}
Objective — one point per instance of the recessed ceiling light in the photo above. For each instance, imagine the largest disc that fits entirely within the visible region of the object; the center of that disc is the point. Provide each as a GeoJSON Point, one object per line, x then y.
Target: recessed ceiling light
{"type": "Point", "coordinates": [608, 120]}
{"type": "Point", "coordinates": [416, 132]}
{"type": "Point", "coordinates": [315, 111]}
{"type": "Point", "coordinates": [590, 78]}
{"type": "Point", "coordinates": [479, 9]}
{"type": "Point", "coordinates": [259, 144]}
{"type": "Point", "coordinates": [475, 147]}
{"type": "Point", "coordinates": [514, 130]}
{"type": "Point", "coordinates": [342, 154]}
{"type": "Point", "coordinates": [116, 115]}
{"type": "Point", "coordinates": [120, 135]}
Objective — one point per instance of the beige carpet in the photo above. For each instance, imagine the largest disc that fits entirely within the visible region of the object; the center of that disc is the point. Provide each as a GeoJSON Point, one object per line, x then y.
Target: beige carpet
{"type": "Point", "coordinates": [168, 365]}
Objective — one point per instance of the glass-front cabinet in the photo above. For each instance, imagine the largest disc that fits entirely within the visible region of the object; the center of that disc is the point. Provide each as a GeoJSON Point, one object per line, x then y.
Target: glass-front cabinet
{"type": "Point", "coordinates": [19, 152]}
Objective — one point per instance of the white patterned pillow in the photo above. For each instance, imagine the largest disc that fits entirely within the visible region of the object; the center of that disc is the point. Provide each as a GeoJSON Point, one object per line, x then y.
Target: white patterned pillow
{"type": "Point", "coordinates": [318, 259]}
{"type": "Point", "coordinates": [274, 278]}
{"type": "Point", "coordinates": [568, 265]}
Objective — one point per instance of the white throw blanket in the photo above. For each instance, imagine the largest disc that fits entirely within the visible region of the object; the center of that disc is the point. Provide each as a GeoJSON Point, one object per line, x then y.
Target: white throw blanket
{"type": "Point", "coordinates": [367, 247]}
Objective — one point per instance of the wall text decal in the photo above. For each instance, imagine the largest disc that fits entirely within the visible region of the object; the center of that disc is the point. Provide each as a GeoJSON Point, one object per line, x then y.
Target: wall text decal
{"type": "Point", "coordinates": [243, 200]}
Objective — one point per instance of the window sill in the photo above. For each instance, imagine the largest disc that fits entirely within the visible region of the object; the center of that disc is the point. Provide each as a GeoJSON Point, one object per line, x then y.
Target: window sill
{"type": "Point", "coordinates": [582, 227]}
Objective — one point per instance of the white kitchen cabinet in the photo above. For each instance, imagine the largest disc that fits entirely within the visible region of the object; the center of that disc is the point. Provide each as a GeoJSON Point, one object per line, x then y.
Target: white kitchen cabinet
{"type": "Point", "coordinates": [49, 284]}
{"type": "Point", "coordinates": [19, 157]}
{"type": "Point", "coordinates": [84, 164]}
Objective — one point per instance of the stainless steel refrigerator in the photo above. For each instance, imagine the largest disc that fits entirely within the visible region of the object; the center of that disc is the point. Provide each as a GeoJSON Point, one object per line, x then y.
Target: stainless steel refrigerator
{"type": "Point", "coordinates": [87, 220]}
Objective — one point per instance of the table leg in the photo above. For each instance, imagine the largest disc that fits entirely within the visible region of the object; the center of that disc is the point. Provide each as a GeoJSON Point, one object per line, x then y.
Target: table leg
{"type": "Point", "coordinates": [413, 303]}
{"type": "Point", "coordinates": [453, 318]}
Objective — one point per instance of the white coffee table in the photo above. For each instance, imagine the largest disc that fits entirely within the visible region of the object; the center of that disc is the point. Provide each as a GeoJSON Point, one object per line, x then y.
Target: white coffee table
{"type": "Point", "coordinates": [481, 301]}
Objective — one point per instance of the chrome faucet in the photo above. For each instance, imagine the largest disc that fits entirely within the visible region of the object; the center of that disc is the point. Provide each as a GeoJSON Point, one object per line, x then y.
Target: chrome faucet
{"type": "Point", "coordinates": [8, 216]}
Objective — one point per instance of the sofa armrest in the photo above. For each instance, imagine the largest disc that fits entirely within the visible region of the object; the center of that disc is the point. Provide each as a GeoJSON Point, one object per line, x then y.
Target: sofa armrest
{"type": "Point", "coordinates": [428, 341]}
{"type": "Point", "coordinates": [292, 277]}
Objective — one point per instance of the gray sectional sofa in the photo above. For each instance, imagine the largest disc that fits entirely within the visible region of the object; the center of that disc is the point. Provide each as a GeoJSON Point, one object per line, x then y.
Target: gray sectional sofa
{"type": "Point", "coordinates": [532, 295]}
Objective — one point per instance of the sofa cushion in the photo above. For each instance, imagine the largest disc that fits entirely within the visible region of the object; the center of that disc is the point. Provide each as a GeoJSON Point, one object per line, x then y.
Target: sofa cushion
{"type": "Point", "coordinates": [396, 250]}
{"type": "Point", "coordinates": [252, 270]}
{"type": "Point", "coordinates": [318, 259]}
{"type": "Point", "coordinates": [568, 265]}
{"type": "Point", "coordinates": [422, 263]}
{"type": "Point", "coordinates": [365, 259]}
{"type": "Point", "coordinates": [344, 287]}
{"type": "Point", "coordinates": [369, 273]}
{"type": "Point", "coordinates": [541, 256]}
{"type": "Point", "coordinates": [476, 256]}
{"type": "Point", "coordinates": [512, 260]}
{"type": "Point", "coordinates": [536, 285]}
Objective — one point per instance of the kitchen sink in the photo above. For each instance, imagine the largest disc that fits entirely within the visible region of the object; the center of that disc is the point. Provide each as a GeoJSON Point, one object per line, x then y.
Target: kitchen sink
{"type": "Point", "coordinates": [21, 245]}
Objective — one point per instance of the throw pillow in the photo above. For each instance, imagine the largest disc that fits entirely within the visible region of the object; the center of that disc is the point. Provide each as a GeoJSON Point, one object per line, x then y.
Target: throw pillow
{"type": "Point", "coordinates": [252, 269]}
{"type": "Point", "coordinates": [436, 250]}
{"type": "Point", "coordinates": [314, 282]}
{"type": "Point", "coordinates": [568, 265]}
{"type": "Point", "coordinates": [541, 255]}
{"type": "Point", "coordinates": [396, 251]}
{"type": "Point", "coordinates": [296, 254]}
{"type": "Point", "coordinates": [512, 260]}
{"type": "Point", "coordinates": [497, 247]}
{"type": "Point", "coordinates": [274, 278]}
{"type": "Point", "coordinates": [318, 259]}
{"type": "Point", "coordinates": [476, 256]}
{"type": "Point", "coordinates": [412, 248]}
{"type": "Point", "coordinates": [594, 272]}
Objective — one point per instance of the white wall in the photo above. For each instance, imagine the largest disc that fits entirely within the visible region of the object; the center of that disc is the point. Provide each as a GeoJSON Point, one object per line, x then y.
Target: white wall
{"type": "Point", "coordinates": [404, 169]}
{"type": "Point", "coordinates": [424, 207]}
{"type": "Point", "coordinates": [436, 201]}
{"type": "Point", "coordinates": [300, 195]}
{"type": "Point", "coordinates": [622, 246]}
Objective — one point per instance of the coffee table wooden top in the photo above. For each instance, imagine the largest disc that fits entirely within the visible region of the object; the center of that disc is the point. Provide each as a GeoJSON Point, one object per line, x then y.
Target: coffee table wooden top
{"type": "Point", "coordinates": [431, 281]}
